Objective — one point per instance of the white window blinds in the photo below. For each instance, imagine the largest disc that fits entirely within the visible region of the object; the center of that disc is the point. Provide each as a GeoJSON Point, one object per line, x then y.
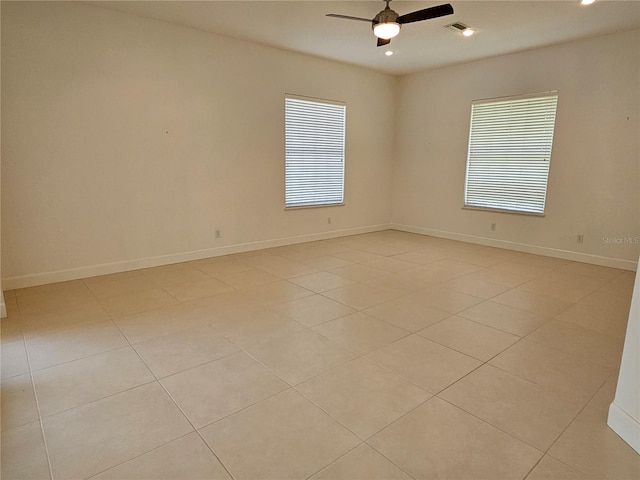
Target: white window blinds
{"type": "Point", "coordinates": [314, 152]}
{"type": "Point", "coordinates": [510, 144]}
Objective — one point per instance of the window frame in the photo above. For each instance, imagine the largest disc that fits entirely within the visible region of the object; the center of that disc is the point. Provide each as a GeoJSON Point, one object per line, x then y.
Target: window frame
{"type": "Point", "coordinates": [548, 97]}
{"type": "Point", "coordinates": [342, 149]}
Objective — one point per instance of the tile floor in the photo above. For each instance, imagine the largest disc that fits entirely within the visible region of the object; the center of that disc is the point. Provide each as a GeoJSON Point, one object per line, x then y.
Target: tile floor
{"type": "Point", "coordinates": [380, 356]}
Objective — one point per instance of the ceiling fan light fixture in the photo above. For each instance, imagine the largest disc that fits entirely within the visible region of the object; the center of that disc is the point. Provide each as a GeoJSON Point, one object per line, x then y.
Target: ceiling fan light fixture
{"type": "Point", "coordinates": [386, 30]}
{"type": "Point", "coordinates": [387, 23]}
{"type": "Point", "coordinates": [587, 2]}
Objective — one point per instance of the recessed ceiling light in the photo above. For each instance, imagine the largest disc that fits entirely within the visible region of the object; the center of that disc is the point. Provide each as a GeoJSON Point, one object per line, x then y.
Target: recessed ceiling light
{"type": "Point", "coordinates": [586, 2]}
{"type": "Point", "coordinates": [388, 53]}
{"type": "Point", "coordinates": [467, 32]}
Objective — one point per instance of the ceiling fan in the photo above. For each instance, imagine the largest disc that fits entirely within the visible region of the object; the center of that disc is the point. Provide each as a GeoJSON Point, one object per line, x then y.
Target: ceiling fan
{"type": "Point", "coordinates": [387, 23]}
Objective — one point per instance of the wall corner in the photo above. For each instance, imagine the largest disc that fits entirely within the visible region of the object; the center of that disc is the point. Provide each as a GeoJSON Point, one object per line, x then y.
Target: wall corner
{"type": "Point", "coordinates": [624, 412]}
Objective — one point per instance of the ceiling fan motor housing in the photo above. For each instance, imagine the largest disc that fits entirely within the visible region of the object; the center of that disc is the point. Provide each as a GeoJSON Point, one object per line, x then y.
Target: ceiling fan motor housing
{"type": "Point", "coordinates": [385, 16]}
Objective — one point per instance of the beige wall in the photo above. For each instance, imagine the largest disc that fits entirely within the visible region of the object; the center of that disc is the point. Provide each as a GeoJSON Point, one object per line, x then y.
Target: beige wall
{"type": "Point", "coordinates": [3, 306]}
{"type": "Point", "coordinates": [594, 181]}
{"type": "Point", "coordinates": [127, 142]}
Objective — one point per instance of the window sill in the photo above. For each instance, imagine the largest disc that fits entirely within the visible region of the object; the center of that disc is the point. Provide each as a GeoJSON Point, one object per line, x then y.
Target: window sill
{"type": "Point", "coordinates": [501, 210]}
{"type": "Point", "coordinates": [304, 207]}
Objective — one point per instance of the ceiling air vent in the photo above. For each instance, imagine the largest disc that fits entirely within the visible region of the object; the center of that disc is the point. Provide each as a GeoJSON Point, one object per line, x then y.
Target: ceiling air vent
{"type": "Point", "coordinates": [461, 28]}
{"type": "Point", "coordinates": [457, 27]}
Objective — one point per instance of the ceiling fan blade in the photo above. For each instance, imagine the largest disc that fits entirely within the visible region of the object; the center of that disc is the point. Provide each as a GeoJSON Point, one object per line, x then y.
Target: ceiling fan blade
{"type": "Point", "coordinates": [426, 14]}
{"type": "Point", "coordinates": [383, 41]}
{"type": "Point", "coordinates": [349, 17]}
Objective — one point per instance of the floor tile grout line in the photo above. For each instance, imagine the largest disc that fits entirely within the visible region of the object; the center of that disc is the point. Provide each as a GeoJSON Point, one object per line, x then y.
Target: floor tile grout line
{"type": "Point", "coordinates": [406, 378]}
{"type": "Point", "coordinates": [40, 370]}
{"type": "Point", "coordinates": [463, 353]}
{"type": "Point", "coordinates": [497, 367]}
{"type": "Point", "coordinates": [274, 372]}
{"type": "Point", "coordinates": [197, 431]}
{"type": "Point", "coordinates": [308, 477]}
{"type": "Point", "coordinates": [471, 413]}
{"type": "Point", "coordinates": [40, 418]}
{"type": "Point", "coordinates": [362, 443]}
{"type": "Point", "coordinates": [492, 425]}
{"type": "Point", "coordinates": [48, 309]}
{"type": "Point", "coordinates": [164, 377]}
{"type": "Point", "coordinates": [499, 329]}
{"type": "Point", "coordinates": [364, 440]}
{"type": "Point", "coordinates": [533, 467]}
{"type": "Point", "coordinates": [289, 386]}
{"type": "Point", "coordinates": [320, 407]}
{"type": "Point", "coordinates": [357, 355]}
{"type": "Point", "coordinates": [581, 470]}
{"type": "Point", "coordinates": [91, 355]}
{"type": "Point", "coordinates": [575, 418]}
{"type": "Point", "coordinates": [175, 403]}
{"type": "Point", "coordinates": [91, 402]}
{"type": "Point", "coordinates": [487, 422]}
{"type": "Point", "coordinates": [137, 456]}
{"type": "Point", "coordinates": [29, 331]}
{"type": "Point", "coordinates": [429, 340]}
{"type": "Point", "coordinates": [545, 452]}
{"type": "Point", "coordinates": [246, 407]}
{"type": "Point", "coordinates": [369, 351]}
{"type": "Point", "coordinates": [557, 349]}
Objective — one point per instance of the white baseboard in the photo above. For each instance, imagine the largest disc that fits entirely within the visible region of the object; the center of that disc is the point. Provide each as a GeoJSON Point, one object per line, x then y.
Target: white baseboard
{"type": "Point", "coordinates": [523, 247]}
{"type": "Point", "coordinates": [36, 279]}
{"type": "Point", "coordinates": [625, 426]}
{"type": "Point", "coordinates": [33, 280]}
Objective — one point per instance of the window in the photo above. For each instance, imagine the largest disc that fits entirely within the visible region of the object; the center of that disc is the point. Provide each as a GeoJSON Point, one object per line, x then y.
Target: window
{"type": "Point", "coordinates": [314, 152]}
{"type": "Point", "coordinates": [510, 144]}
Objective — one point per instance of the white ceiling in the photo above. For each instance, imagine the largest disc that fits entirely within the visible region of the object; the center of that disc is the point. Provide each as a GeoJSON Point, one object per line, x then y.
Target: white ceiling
{"type": "Point", "coordinates": [301, 26]}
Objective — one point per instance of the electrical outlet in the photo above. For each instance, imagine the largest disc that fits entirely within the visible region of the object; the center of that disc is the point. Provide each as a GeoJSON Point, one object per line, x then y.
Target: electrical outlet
{"type": "Point", "coordinates": [218, 233]}
{"type": "Point", "coordinates": [493, 226]}
{"type": "Point", "coordinates": [328, 220]}
{"type": "Point", "coordinates": [580, 238]}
